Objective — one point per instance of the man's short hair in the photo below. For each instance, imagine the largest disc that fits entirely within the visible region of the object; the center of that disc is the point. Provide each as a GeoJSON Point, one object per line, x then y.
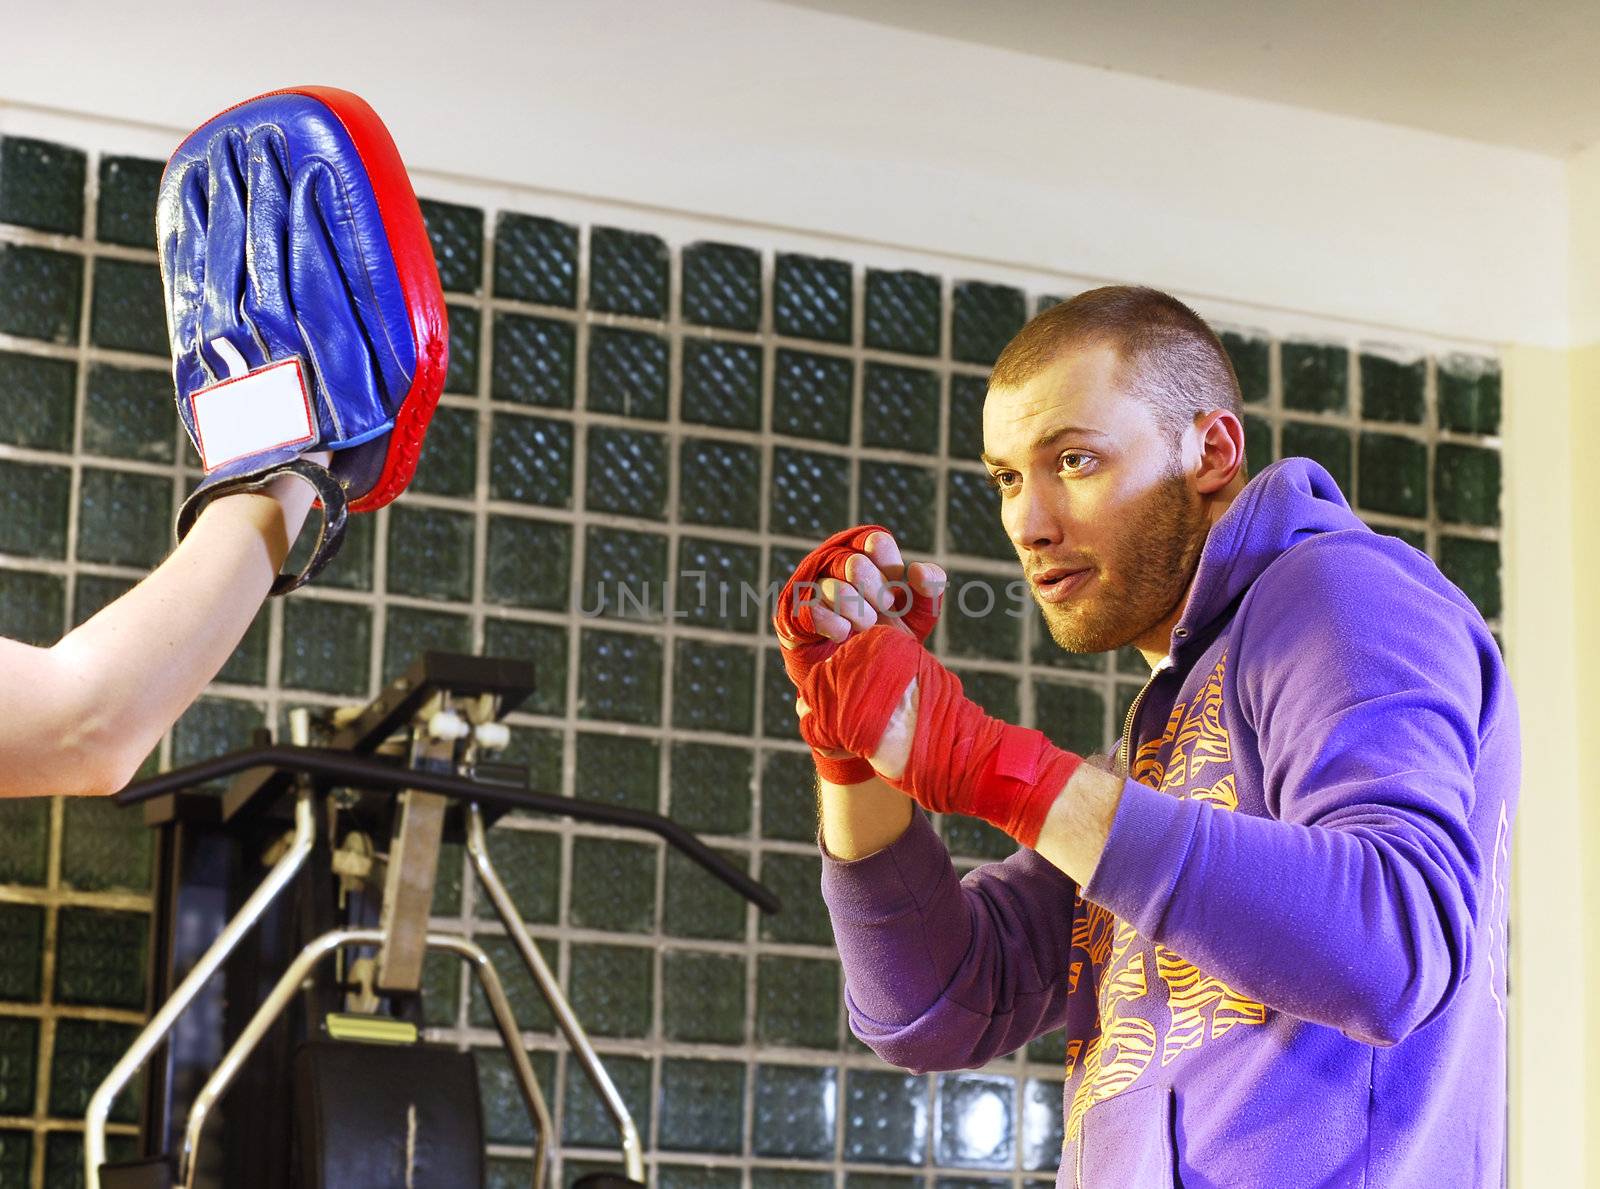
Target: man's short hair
{"type": "Point", "coordinates": [1170, 358]}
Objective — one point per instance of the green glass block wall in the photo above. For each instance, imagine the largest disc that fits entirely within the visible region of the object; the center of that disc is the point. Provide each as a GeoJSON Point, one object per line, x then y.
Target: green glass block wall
{"type": "Point", "coordinates": [88, 471]}
{"type": "Point", "coordinates": [640, 426]}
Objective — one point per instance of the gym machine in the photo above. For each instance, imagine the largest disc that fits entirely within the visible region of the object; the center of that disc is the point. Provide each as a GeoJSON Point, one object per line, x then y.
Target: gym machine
{"type": "Point", "coordinates": [291, 1009]}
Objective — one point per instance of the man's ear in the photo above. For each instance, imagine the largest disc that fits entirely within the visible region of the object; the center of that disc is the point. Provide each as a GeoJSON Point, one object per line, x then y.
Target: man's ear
{"type": "Point", "coordinates": [1219, 450]}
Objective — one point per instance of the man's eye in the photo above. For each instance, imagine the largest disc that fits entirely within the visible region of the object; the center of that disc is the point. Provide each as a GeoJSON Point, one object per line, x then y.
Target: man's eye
{"type": "Point", "coordinates": [1066, 464]}
{"type": "Point", "coordinates": [1002, 480]}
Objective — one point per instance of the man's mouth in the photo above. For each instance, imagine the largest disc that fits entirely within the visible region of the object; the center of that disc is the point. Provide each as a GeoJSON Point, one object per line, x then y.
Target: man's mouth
{"type": "Point", "coordinates": [1060, 582]}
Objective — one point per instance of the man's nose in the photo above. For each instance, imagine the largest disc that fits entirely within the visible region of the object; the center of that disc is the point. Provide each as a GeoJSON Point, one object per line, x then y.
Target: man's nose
{"type": "Point", "coordinates": [1032, 519]}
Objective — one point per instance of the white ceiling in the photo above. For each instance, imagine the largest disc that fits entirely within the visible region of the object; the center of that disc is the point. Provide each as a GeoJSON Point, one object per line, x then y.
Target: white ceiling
{"type": "Point", "coordinates": [1514, 74]}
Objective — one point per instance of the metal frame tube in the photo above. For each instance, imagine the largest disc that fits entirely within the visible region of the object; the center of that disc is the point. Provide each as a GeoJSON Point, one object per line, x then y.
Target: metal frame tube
{"type": "Point", "coordinates": [99, 1110]}
{"type": "Point", "coordinates": [288, 985]}
{"type": "Point", "coordinates": [364, 772]}
{"type": "Point", "coordinates": [632, 1149]}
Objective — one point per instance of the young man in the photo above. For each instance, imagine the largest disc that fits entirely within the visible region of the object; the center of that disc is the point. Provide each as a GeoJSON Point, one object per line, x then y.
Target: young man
{"type": "Point", "coordinates": [1275, 931]}
{"type": "Point", "coordinates": [80, 717]}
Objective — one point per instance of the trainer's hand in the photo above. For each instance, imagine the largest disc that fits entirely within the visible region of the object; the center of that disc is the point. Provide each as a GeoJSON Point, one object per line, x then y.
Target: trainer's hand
{"type": "Point", "coordinates": [303, 306]}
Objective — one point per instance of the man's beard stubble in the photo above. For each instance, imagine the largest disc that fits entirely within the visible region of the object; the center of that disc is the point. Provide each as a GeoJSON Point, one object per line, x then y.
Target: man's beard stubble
{"type": "Point", "coordinates": [1153, 567]}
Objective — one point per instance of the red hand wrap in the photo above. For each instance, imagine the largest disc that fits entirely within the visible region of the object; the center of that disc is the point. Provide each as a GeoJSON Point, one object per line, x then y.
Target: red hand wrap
{"type": "Point", "coordinates": [804, 647]}
{"type": "Point", "coordinates": [962, 760]}
{"type": "Point", "coordinates": [842, 770]}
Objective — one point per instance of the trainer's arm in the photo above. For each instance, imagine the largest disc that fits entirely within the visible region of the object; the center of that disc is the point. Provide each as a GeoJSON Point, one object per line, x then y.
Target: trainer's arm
{"type": "Point", "coordinates": [80, 717]}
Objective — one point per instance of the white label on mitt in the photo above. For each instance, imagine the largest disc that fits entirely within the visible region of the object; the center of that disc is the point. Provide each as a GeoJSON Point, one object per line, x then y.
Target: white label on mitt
{"type": "Point", "coordinates": [261, 410]}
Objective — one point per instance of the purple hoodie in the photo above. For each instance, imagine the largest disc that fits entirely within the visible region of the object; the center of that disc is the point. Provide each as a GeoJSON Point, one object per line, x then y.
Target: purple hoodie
{"type": "Point", "coordinates": [1289, 967]}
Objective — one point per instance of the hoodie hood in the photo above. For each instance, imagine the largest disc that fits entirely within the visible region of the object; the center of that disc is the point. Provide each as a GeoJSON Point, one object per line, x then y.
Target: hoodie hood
{"type": "Point", "coordinates": [1285, 503]}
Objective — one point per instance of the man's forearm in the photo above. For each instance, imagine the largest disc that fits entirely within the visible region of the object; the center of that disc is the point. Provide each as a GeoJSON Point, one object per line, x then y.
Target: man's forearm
{"type": "Point", "coordinates": [861, 819]}
{"type": "Point", "coordinates": [1079, 822]}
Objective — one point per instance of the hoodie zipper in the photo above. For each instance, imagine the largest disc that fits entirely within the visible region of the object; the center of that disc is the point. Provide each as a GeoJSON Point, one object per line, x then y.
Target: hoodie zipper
{"type": "Point", "coordinates": [1127, 726]}
{"type": "Point", "coordinates": [1127, 730]}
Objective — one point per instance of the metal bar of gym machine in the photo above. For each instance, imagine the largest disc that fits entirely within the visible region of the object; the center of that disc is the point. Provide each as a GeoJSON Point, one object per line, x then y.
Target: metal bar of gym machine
{"type": "Point", "coordinates": [344, 768]}
{"type": "Point", "coordinates": [288, 985]}
{"type": "Point", "coordinates": [153, 1033]}
{"type": "Point", "coordinates": [361, 771]}
{"type": "Point", "coordinates": [477, 847]}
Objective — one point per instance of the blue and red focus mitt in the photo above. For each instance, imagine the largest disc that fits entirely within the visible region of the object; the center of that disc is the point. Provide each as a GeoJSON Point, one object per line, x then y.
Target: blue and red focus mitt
{"type": "Point", "coordinates": [303, 305]}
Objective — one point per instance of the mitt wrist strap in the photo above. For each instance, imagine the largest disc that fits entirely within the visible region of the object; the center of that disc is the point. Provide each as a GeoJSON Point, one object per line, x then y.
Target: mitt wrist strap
{"type": "Point", "coordinates": [330, 499]}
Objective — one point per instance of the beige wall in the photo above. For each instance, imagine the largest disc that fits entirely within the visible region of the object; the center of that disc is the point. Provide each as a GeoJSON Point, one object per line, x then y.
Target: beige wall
{"type": "Point", "coordinates": [807, 121]}
{"type": "Point", "coordinates": [1552, 459]}
{"type": "Point", "coordinates": [1551, 974]}
{"type": "Point", "coordinates": [1584, 222]}
{"type": "Point", "coordinates": [1586, 553]}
